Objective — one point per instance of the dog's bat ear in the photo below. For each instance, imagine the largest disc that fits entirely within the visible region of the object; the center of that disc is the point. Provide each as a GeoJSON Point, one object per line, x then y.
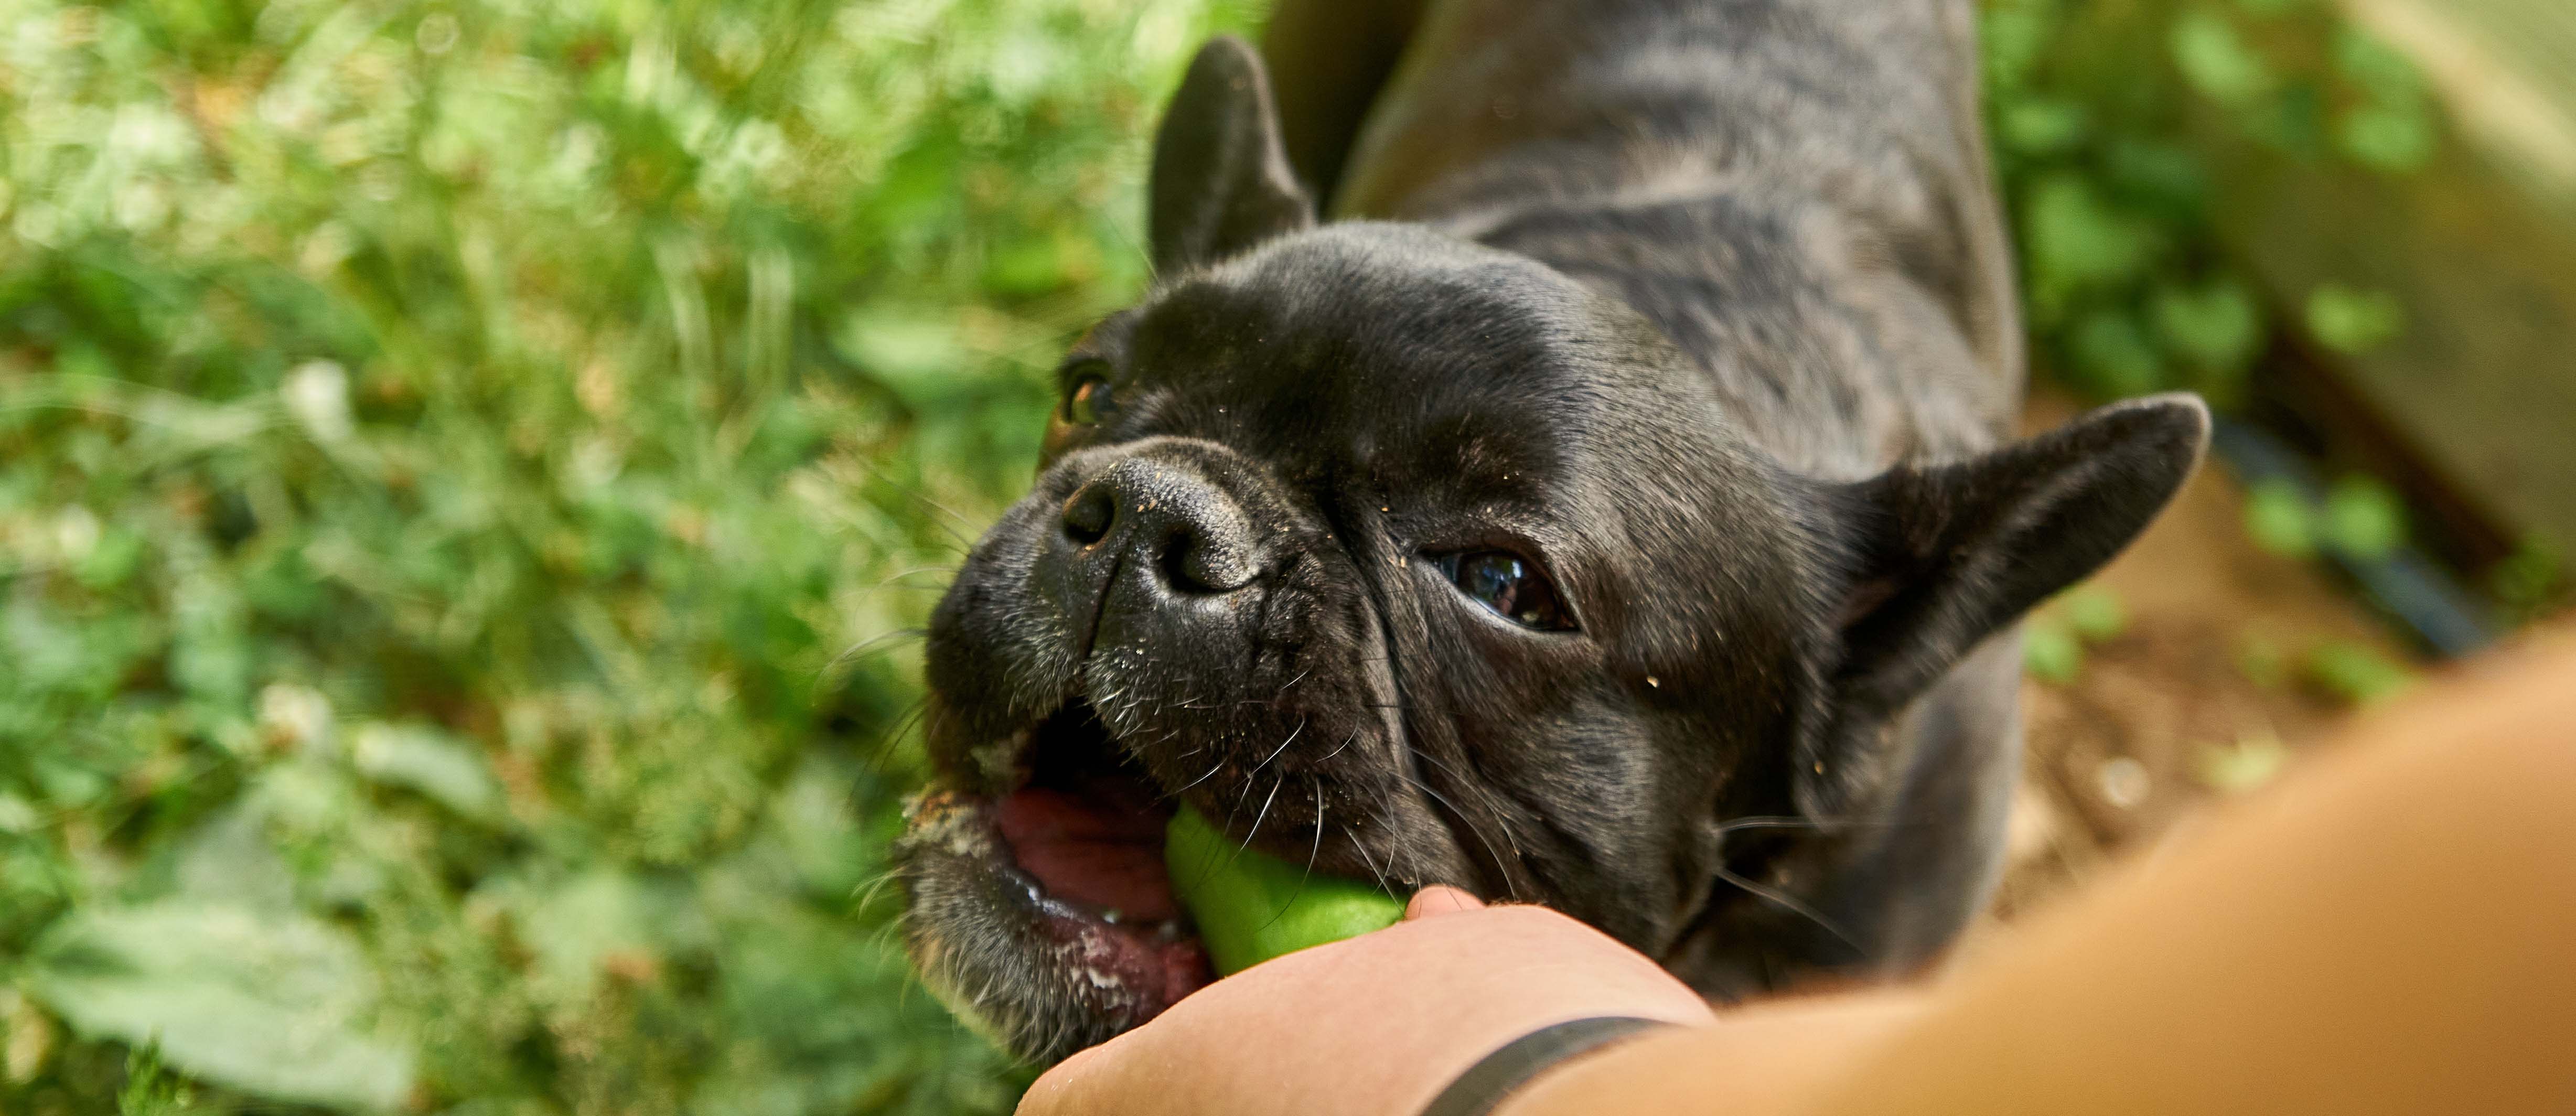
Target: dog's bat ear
{"type": "Point", "coordinates": [1222, 182]}
{"type": "Point", "coordinates": [1945, 556]}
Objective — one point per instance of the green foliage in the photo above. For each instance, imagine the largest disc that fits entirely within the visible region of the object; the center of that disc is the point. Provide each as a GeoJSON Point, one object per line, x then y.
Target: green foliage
{"type": "Point", "coordinates": [150, 1090]}
{"type": "Point", "coordinates": [2280, 520]}
{"type": "Point", "coordinates": [270, 1001]}
{"type": "Point", "coordinates": [2363, 517]}
{"type": "Point", "coordinates": [2246, 765]}
{"type": "Point", "coordinates": [2102, 115]}
{"type": "Point", "coordinates": [2355, 673]}
{"type": "Point", "coordinates": [2054, 638]}
{"type": "Point", "coordinates": [2354, 322]}
{"type": "Point", "coordinates": [445, 451]}
{"type": "Point", "coordinates": [2532, 582]}
{"type": "Point", "coordinates": [2360, 517]}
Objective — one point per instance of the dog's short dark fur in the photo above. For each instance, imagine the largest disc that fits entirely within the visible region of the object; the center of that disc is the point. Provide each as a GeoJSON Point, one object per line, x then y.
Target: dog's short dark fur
{"type": "Point", "coordinates": [1615, 511]}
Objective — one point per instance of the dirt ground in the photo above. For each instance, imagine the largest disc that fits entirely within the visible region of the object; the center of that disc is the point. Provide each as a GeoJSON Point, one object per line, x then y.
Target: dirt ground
{"type": "Point", "coordinates": [2186, 704]}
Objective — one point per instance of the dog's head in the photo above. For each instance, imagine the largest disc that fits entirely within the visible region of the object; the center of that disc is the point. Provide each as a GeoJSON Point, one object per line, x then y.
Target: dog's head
{"type": "Point", "coordinates": [1418, 561]}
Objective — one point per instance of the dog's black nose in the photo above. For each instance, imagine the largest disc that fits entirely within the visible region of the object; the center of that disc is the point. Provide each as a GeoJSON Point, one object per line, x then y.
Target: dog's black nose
{"type": "Point", "coordinates": [1184, 530]}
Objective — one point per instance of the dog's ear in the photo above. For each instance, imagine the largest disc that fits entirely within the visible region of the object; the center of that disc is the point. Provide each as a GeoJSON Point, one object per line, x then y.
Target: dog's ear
{"type": "Point", "coordinates": [1221, 181]}
{"type": "Point", "coordinates": [1947, 555]}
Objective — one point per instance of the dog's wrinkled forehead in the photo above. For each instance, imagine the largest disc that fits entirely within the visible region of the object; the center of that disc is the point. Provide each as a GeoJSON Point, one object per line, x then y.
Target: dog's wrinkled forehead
{"type": "Point", "coordinates": [1381, 329]}
{"type": "Point", "coordinates": [1469, 388]}
{"type": "Point", "coordinates": [1394, 346]}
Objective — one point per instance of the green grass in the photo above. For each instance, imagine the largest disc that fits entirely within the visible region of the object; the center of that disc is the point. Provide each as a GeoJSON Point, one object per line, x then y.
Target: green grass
{"type": "Point", "coordinates": [445, 450]}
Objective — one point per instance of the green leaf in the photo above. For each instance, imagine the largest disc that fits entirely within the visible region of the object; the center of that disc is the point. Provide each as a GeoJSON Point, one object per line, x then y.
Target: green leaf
{"type": "Point", "coordinates": [2355, 673]}
{"type": "Point", "coordinates": [2016, 39]}
{"type": "Point", "coordinates": [2243, 766]}
{"type": "Point", "coordinates": [2391, 139]}
{"type": "Point", "coordinates": [2076, 241]}
{"type": "Point", "coordinates": [150, 1090]}
{"type": "Point", "coordinates": [2280, 520]}
{"type": "Point", "coordinates": [1027, 265]}
{"type": "Point", "coordinates": [2363, 518]}
{"type": "Point", "coordinates": [2041, 126]}
{"type": "Point", "coordinates": [578, 927]}
{"type": "Point", "coordinates": [2381, 70]}
{"type": "Point", "coordinates": [2095, 613]}
{"type": "Point", "coordinates": [2217, 328]}
{"type": "Point", "coordinates": [274, 1004]}
{"type": "Point", "coordinates": [2115, 357]}
{"type": "Point", "coordinates": [2354, 322]}
{"type": "Point", "coordinates": [111, 561]}
{"type": "Point", "coordinates": [2216, 60]}
{"type": "Point", "coordinates": [918, 352]}
{"type": "Point", "coordinates": [447, 770]}
{"type": "Point", "coordinates": [2530, 582]}
{"type": "Point", "coordinates": [2050, 652]}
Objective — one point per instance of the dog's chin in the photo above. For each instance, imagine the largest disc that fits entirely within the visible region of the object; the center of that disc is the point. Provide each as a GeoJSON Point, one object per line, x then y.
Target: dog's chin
{"type": "Point", "coordinates": [1042, 912]}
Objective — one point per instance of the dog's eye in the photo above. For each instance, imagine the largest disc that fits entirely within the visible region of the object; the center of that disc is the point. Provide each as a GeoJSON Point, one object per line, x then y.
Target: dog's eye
{"type": "Point", "coordinates": [1091, 400]}
{"type": "Point", "coordinates": [1510, 585]}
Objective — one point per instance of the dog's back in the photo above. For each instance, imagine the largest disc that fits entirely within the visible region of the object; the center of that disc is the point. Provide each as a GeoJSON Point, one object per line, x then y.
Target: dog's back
{"type": "Point", "coordinates": [1795, 191]}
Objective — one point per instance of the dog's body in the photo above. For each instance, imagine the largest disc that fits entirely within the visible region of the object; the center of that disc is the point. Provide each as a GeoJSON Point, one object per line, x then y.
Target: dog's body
{"type": "Point", "coordinates": [1615, 522]}
{"type": "Point", "coordinates": [1796, 193]}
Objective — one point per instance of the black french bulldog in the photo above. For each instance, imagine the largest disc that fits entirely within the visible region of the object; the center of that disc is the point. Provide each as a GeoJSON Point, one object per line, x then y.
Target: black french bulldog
{"type": "Point", "coordinates": [1614, 512]}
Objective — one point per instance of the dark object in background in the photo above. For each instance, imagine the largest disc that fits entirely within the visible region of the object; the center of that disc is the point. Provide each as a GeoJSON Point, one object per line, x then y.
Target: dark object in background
{"type": "Point", "coordinates": [1625, 524]}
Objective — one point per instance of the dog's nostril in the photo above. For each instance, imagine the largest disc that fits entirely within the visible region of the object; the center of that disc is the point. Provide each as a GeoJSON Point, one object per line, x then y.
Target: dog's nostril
{"type": "Point", "coordinates": [1088, 515]}
{"type": "Point", "coordinates": [1200, 558]}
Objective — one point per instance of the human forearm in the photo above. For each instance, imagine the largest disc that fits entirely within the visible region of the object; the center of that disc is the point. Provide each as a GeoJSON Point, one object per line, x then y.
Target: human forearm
{"type": "Point", "coordinates": [2386, 934]}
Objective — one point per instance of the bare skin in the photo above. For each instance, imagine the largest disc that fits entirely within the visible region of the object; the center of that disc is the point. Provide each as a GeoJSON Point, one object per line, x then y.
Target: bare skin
{"type": "Point", "coordinates": [2392, 931]}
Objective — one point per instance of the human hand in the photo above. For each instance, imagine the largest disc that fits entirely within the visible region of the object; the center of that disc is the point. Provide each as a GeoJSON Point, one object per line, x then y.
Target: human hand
{"type": "Point", "coordinates": [1377, 1024]}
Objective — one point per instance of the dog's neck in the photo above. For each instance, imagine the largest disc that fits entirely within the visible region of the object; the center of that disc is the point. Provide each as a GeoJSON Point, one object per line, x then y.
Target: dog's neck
{"type": "Point", "coordinates": [1793, 191]}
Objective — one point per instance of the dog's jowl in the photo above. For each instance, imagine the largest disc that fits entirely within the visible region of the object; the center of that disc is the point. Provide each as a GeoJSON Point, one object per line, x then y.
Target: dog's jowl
{"type": "Point", "coordinates": [1613, 507]}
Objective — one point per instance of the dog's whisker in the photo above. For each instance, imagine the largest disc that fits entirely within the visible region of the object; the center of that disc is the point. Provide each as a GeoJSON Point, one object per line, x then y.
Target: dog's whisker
{"type": "Point", "coordinates": [1255, 831]}
{"type": "Point", "coordinates": [1291, 684]}
{"type": "Point", "coordinates": [1789, 902]}
{"type": "Point", "coordinates": [1472, 827]}
{"type": "Point", "coordinates": [1219, 765]}
{"type": "Point", "coordinates": [879, 642]}
{"type": "Point", "coordinates": [1312, 855]}
{"type": "Point", "coordinates": [883, 750]}
{"type": "Point", "coordinates": [1361, 847]}
{"type": "Point", "coordinates": [1345, 744]}
{"type": "Point", "coordinates": [1274, 752]}
{"type": "Point", "coordinates": [867, 892]}
{"type": "Point", "coordinates": [1491, 805]}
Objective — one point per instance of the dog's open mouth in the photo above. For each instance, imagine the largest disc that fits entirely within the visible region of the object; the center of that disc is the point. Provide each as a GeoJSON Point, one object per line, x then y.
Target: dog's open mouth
{"type": "Point", "coordinates": [1045, 911]}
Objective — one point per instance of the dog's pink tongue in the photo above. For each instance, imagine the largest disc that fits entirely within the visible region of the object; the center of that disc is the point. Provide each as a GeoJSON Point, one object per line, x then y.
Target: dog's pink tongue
{"type": "Point", "coordinates": [1103, 847]}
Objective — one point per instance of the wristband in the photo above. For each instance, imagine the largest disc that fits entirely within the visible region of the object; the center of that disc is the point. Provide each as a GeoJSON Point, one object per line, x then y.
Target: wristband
{"type": "Point", "coordinates": [1483, 1087]}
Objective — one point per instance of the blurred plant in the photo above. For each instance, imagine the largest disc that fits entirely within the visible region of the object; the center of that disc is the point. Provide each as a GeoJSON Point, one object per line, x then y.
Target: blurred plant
{"type": "Point", "coordinates": [2055, 637]}
{"type": "Point", "coordinates": [2359, 517]}
{"type": "Point", "coordinates": [2246, 765]}
{"type": "Point", "coordinates": [2100, 112]}
{"type": "Point", "coordinates": [149, 1089]}
{"type": "Point", "coordinates": [446, 449]}
{"type": "Point", "coordinates": [2354, 322]}
{"type": "Point", "coordinates": [2355, 673]}
{"type": "Point", "coordinates": [2532, 582]}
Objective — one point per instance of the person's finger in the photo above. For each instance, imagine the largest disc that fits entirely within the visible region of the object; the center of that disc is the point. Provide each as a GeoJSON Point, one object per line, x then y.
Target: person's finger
{"type": "Point", "coordinates": [1440, 899]}
{"type": "Point", "coordinates": [1067, 1089]}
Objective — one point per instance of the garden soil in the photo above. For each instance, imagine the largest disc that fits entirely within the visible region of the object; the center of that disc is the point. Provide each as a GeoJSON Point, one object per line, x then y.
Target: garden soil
{"type": "Point", "coordinates": [2191, 702]}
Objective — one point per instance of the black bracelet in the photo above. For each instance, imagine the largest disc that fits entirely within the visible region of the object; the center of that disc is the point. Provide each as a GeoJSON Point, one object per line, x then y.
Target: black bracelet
{"type": "Point", "coordinates": [1485, 1084]}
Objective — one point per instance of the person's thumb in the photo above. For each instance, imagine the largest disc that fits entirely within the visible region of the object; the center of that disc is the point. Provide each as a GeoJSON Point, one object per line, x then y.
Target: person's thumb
{"type": "Point", "coordinates": [1440, 899]}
